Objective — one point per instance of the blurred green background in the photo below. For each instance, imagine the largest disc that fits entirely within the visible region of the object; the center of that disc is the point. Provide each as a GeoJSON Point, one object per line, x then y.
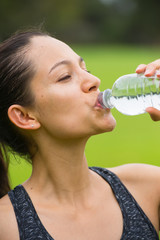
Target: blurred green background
{"type": "Point", "coordinates": [113, 37]}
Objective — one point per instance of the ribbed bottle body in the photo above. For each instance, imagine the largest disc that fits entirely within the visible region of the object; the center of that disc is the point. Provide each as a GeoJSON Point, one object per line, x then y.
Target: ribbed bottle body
{"type": "Point", "coordinates": [131, 94]}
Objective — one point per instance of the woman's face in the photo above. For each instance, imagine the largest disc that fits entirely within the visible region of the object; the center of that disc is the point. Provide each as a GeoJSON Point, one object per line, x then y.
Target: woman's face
{"type": "Point", "coordinates": [65, 93]}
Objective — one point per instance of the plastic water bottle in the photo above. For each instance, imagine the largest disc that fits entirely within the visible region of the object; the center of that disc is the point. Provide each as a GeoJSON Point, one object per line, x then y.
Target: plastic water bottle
{"type": "Point", "coordinates": [131, 94]}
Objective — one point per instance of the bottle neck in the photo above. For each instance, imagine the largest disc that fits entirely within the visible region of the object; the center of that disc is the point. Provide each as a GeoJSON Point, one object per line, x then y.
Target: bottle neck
{"type": "Point", "coordinates": [104, 99]}
{"type": "Point", "coordinates": [100, 99]}
{"type": "Point", "coordinates": [107, 98]}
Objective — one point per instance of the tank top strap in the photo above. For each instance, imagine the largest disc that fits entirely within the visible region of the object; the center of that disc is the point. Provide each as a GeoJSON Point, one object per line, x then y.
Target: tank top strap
{"type": "Point", "coordinates": [135, 221]}
{"type": "Point", "coordinates": [17, 199]}
{"type": "Point", "coordinates": [29, 224]}
{"type": "Point", "coordinates": [117, 187]}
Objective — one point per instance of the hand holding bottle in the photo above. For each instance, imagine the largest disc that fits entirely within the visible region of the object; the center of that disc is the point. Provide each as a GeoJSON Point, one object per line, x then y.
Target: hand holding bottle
{"type": "Point", "coordinates": [135, 93]}
{"type": "Point", "coordinates": [150, 70]}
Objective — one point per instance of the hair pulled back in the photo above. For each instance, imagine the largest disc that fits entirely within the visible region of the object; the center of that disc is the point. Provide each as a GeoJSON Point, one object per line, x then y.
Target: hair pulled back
{"type": "Point", "coordinates": [16, 71]}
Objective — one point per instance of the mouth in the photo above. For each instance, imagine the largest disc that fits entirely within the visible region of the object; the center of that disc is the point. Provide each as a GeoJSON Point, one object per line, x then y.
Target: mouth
{"type": "Point", "coordinates": [99, 104]}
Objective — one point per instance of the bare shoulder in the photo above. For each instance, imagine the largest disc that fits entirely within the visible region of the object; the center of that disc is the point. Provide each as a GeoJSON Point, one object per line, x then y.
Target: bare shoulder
{"type": "Point", "coordinates": [142, 181]}
{"type": "Point", "coordinates": [142, 177]}
{"type": "Point", "coordinates": [138, 172]}
{"type": "Point", "coordinates": [8, 224]}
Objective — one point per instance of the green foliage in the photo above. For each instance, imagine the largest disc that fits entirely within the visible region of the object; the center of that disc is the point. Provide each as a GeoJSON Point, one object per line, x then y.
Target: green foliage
{"type": "Point", "coordinates": [125, 21]}
{"type": "Point", "coordinates": [135, 138]}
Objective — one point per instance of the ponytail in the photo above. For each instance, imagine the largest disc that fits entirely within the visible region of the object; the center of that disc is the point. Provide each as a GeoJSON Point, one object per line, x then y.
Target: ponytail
{"type": "Point", "coordinates": [4, 182]}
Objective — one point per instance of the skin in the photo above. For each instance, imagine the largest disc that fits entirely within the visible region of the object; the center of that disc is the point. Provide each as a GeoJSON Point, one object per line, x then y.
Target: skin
{"type": "Point", "coordinates": [149, 70]}
{"type": "Point", "coordinates": [72, 201]}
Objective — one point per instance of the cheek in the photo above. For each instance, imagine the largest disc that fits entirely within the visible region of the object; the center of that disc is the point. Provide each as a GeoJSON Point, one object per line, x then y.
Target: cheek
{"type": "Point", "coordinates": [59, 110]}
{"type": "Point", "coordinates": [62, 123]}
{"type": "Point", "coordinates": [57, 100]}
{"type": "Point", "coordinates": [70, 103]}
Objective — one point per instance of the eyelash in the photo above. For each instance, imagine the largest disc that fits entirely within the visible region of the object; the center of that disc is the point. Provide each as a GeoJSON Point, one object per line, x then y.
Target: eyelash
{"type": "Point", "coordinates": [64, 78]}
{"type": "Point", "coordinates": [68, 76]}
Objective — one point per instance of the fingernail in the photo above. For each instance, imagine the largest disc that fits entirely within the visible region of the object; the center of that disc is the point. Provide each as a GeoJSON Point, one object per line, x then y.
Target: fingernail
{"type": "Point", "coordinates": [147, 71]}
{"type": "Point", "coordinates": [158, 73]}
{"type": "Point", "coordinates": [138, 68]}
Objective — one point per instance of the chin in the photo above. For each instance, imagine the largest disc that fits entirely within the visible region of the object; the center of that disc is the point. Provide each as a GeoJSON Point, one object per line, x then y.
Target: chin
{"type": "Point", "coordinates": [110, 127]}
{"type": "Point", "coordinates": [107, 125]}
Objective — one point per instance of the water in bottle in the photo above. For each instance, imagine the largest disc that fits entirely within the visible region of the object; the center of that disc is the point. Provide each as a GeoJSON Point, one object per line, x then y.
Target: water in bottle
{"type": "Point", "coordinates": [131, 94]}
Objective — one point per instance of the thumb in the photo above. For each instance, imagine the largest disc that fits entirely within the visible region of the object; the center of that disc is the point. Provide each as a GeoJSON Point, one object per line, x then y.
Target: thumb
{"type": "Point", "coordinates": [154, 113]}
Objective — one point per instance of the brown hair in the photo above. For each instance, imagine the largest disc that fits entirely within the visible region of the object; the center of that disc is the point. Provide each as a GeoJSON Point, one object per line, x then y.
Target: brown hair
{"type": "Point", "coordinates": [16, 71]}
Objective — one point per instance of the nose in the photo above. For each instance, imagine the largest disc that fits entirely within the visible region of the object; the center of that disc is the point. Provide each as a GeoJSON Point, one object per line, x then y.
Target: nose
{"type": "Point", "coordinates": [90, 83]}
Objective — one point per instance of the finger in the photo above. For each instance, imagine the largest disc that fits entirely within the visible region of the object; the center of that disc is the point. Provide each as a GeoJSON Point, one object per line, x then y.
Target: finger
{"type": "Point", "coordinates": [158, 73]}
{"type": "Point", "coordinates": [150, 70]}
{"type": "Point", "coordinates": [141, 68]}
{"type": "Point", "coordinates": [154, 113]}
{"type": "Point", "coordinates": [152, 67]}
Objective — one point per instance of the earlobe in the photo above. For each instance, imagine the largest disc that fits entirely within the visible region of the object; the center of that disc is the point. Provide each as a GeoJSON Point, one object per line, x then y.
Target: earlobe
{"type": "Point", "coordinates": [22, 118]}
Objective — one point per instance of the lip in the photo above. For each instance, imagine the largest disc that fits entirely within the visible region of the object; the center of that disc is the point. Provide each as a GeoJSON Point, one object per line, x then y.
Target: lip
{"type": "Point", "coordinates": [98, 105]}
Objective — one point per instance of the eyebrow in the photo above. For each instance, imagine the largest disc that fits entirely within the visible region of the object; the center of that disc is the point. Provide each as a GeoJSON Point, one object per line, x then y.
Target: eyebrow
{"type": "Point", "coordinates": [64, 62]}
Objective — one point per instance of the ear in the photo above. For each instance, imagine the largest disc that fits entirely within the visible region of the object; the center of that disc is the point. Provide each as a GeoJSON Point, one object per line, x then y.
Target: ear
{"type": "Point", "coordinates": [22, 118]}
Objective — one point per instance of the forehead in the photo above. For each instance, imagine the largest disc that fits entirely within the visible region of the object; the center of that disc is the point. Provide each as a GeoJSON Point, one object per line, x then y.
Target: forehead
{"type": "Point", "coordinates": [44, 53]}
{"type": "Point", "coordinates": [50, 49]}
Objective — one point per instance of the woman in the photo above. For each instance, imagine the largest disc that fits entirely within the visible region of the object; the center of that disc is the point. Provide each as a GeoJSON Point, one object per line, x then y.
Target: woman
{"type": "Point", "coordinates": [49, 110]}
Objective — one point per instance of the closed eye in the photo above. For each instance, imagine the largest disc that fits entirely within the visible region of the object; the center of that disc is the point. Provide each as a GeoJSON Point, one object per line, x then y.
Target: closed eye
{"type": "Point", "coordinates": [86, 70]}
{"type": "Point", "coordinates": [64, 78]}
{"type": "Point", "coordinates": [68, 77]}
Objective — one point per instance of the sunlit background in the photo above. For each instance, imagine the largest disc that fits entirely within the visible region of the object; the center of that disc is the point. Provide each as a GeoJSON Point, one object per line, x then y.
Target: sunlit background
{"type": "Point", "coordinates": [113, 37]}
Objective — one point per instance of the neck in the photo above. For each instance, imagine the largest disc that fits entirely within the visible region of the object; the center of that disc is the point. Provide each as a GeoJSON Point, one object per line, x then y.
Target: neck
{"type": "Point", "coordinates": [61, 168]}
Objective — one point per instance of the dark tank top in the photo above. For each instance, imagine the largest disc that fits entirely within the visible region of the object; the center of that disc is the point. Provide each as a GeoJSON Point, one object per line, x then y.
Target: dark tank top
{"type": "Point", "coordinates": [136, 225]}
